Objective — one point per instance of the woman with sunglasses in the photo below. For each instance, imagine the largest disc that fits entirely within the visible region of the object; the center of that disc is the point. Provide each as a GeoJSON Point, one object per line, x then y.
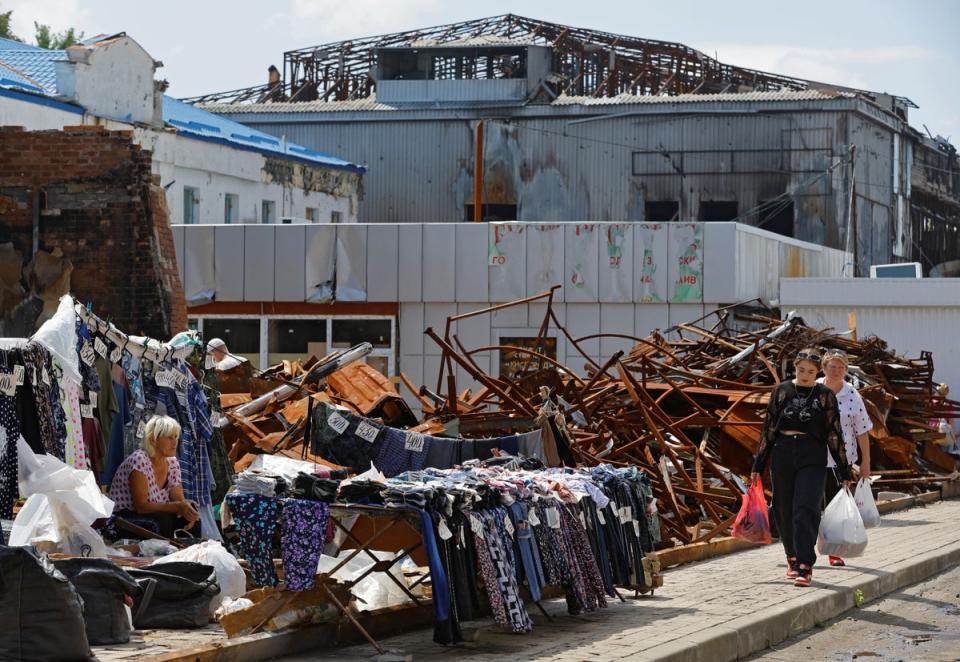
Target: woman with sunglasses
{"type": "Point", "coordinates": [802, 418]}
{"type": "Point", "coordinates": [854, 421]}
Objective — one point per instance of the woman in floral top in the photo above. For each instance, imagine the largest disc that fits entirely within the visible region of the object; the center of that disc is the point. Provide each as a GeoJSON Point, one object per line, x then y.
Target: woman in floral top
{"type": "Point", "coordinates": [147, 484]}
{"type": "Point", "coordinates": [854, 420]}
{"type": "Point", "coordinates": [802, 418]}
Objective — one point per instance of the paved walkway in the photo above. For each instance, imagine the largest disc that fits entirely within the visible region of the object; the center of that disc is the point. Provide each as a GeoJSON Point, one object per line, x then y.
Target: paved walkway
{"type": "Point", "coordinates": [716, 610]}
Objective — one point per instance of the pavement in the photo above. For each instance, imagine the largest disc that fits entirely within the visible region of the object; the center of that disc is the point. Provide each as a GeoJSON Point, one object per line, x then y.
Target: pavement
{"type": "Point", "coordinates": [919, 624]}
{"type": "Point", "coordinates": [721, 609]}
{"type": "Point", "coordinates": [725, 608]}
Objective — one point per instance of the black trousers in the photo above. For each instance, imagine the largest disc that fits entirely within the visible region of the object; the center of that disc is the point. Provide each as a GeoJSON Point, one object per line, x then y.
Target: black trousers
{"type": "Point", "coordinates": [798, 469]}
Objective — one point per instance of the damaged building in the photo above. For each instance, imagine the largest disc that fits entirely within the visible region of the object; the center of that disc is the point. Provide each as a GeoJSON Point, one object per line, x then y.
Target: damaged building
{"type": "Point", "coordinates": [212, 169]}
{"type": "Point", "coordinates": [511, 118]}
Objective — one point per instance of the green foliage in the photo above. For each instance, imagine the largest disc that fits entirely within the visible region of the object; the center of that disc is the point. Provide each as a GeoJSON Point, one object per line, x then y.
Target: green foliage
{"type": "Point", "coordinates": [46, 38]}
{"type": "Point", "coordinates": [5, 31]}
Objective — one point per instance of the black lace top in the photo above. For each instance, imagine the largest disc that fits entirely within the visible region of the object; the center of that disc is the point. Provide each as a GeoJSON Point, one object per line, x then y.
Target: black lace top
{"type": "Point", "coordinates": [812, 410]}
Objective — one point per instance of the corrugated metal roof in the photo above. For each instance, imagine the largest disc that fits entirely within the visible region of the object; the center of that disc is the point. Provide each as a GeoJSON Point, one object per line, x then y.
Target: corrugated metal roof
{"type": "Point", "coordinates": [35, 65]}
{"type": "Point", "coordinates": [14, 45]}
{"type": "Point", "coordinates": [12, 79]}
{"type": "Point", "coordinates": [351, 105]}
{"type": "Point", "coordinates": [735, 97]}
{"type": "Point", "coordinates": [197, 122]}
{"type": "Point", "coordinates": [32, 70]}
{"type": "Point", "coordinates": [371, 104]}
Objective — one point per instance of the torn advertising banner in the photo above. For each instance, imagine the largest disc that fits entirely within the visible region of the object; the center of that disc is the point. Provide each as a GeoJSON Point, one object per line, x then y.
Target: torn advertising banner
{"type": "Point", "coordinates": [688, 249]}
{"type": "Point", "coordinates": [616, 270]}
{"type": "Point", "coordinates": [581, 258]}
{"type": "Point", "coordinates": [506, 261]}
{"type": "Point", "coordinates": [651, 284]}
{"type": "Point", "coordinates": [545, 258]}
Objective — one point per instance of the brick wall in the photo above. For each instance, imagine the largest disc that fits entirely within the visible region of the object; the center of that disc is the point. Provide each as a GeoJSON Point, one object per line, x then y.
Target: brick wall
{"type": "Point", "coordinates": [104, 209]}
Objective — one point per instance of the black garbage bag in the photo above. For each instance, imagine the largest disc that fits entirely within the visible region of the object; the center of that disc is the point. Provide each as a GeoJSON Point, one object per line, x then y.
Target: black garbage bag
{"type": "Point", "coordinates": [102, 584]}
{"type": "Point", "coordinates": [175, 595]}
{"type": "Point", "coordinates": [41, 614]}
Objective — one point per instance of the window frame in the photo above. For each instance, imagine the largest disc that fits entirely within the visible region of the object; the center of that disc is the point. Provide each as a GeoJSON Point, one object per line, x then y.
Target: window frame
{"type": "Point", "coordinates": [390, 353]}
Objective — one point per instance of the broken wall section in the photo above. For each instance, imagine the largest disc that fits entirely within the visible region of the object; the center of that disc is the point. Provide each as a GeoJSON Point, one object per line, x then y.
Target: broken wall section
{"type": "Point", "coordinates": [100, 213]}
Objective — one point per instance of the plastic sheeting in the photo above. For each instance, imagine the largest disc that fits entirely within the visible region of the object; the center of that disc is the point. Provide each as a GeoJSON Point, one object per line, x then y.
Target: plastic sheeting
{"type": "Point", "coordinates": [62, 504]}
{"type": "Point", "coordinates": [59, 335]}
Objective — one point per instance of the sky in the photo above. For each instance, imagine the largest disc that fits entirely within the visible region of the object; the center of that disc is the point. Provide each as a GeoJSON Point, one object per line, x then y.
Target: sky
{"type": "Point", "coordinates": [909, 49]}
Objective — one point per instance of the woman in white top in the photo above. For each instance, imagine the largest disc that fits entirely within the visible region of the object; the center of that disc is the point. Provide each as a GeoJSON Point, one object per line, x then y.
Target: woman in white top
{"type": "Point", "coordinates": [854, 421]}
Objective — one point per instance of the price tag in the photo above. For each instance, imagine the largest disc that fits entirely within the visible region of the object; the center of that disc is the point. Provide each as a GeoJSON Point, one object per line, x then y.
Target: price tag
{"type": "Point", "coordinates": [636, 528]}
{"type": "Point", "coordinates": [553, 518]}
{"type": "Point", "coordinates": [367, 431]}
{"type": "Point", "coordinates": [626, 514]}
{"type": "Point", "coordinates": [600, 517]}
{"type": "Point", "coordinates": [45, 376]}
{"type": "Point", "coordinates": [115, 355]}
{"type": "Point", "coordinates": [508, 525]}
{"type": "Point", "coordinates": [93, 398]}
{"type": "Point", "coordinates": [87, 355]}
{"type": "Point", "coordinates": [86, 411]}
{"type": "Point", "coordinates": [165, 378]}
{"type": "Point", "coordinates": [338, 422]}
{"type": "Point", "coordinates": [414, 442]}
{"type": "Point", "coordinates": [100, 347]}
{"type": "Point", "coordinates": [476, 524]}
{"type": "Point", "coordinates": [19, 372]}
{"type": "Point", "coordinates": [34, 375]}
{"type": "Point", "coordinates": [141, 429]}
{"type": "Point", "coordinates": [583, 520]}
{"type": "Point", "coordinates": [8, 383]}
{"type": "Point", "coordinates": [443, 530]}
{"type": "Point", "coordinates": [532, 517]}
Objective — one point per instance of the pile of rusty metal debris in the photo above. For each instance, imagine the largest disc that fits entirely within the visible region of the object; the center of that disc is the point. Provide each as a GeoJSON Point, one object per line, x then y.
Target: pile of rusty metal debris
{"type": "Point", "coordinates": [685, 405]}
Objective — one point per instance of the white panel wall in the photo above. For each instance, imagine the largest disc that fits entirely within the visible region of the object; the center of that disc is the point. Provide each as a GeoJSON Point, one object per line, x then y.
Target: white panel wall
{"type": "Point", "coordinates": [911, 315]}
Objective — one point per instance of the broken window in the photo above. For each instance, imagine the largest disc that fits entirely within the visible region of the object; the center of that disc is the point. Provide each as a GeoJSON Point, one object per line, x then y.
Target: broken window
{"type": "Point", "coordinates": [349, 332]}
{"type": "Point", "coordinates": [336, 216]}
{"type": "Point", "coordinates": [191, 204]}
{"type": "Point", "coordinates": [293, 339]}
{"type": "Point", "coordinates": [231, 203]}
{"type": "Point", "coordinates": [661, 211]}
{"type": "Point", "coordinates": [776, 216]}
{"type": "Point", "coordinates": [718, 211]}
{"type": "Point", "coordinates": [311, 214]}
{"type": "Point", "coordinates": [492, 212]}
{"type": "Point", "coordinates": [268, 212]}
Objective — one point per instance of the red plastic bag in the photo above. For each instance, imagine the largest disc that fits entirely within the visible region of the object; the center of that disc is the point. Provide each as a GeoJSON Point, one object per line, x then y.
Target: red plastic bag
{"type": "Point", "coordinates": [753, 522]}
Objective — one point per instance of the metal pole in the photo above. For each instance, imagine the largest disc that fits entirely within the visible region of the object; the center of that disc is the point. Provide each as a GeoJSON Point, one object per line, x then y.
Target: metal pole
{"type": "Point", "coordinates": [852, 209]}
{"type": "Point", "coordinates": [478, 175]}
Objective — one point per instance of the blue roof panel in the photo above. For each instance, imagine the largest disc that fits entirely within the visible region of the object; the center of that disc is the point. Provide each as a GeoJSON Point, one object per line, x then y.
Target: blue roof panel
{"type": "Point", "coordinates": [31, 69]}
{"type": "Point", "coordinates": [36, 65]}
{"type": "Point", "coordinates": [14, 45]}
{"type": "Point", "coordinates": [197, 122]}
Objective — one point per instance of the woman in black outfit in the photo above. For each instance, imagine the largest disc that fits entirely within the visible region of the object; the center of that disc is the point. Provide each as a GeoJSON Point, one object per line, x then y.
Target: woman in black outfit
{"type": "Point", "coordinates": [802, 417]}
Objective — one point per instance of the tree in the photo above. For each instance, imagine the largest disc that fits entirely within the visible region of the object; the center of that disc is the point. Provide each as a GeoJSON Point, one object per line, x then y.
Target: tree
{"type": "Point", "coordinates": [5, 31]}
{"type": "Point", "coordinates": [57, 41]}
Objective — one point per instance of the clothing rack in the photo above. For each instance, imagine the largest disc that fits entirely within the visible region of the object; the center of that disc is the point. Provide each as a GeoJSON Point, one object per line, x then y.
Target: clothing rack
{"type": "Point", "coordinates": [142, 347]}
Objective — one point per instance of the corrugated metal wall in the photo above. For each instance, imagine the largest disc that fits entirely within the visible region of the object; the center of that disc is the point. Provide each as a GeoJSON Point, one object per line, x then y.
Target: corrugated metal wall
{"type": "Point", "coordinates": [562, 168]}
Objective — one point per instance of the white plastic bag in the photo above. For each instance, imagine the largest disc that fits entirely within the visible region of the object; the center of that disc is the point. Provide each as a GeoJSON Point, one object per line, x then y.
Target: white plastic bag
{"type": "Point", "coordinates": [866, 505]}
{"type": "Point", "coordinates": [62, 503]}
{"type": "Point", "coordinates": [841, 529]}
{"type": "Point", "coordinates": [230, 576]}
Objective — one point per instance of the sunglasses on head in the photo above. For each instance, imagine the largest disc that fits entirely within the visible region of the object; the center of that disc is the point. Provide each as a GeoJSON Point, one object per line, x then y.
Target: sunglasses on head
{"type": "Point", "coordinates": [808, 356]}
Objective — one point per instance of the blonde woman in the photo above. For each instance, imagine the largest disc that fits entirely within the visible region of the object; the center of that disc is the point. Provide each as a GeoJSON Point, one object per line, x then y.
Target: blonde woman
{"type": "Point", "coordinates": [147, 484]}
{"type": "Point", "coordinates": [801, 423]}
{"type": "Point", "coordinates": [854, 421]}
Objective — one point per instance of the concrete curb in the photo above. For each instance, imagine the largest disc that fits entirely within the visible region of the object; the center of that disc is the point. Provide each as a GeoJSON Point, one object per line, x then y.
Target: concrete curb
{"type": "Point", "coordinates": [744, 636]}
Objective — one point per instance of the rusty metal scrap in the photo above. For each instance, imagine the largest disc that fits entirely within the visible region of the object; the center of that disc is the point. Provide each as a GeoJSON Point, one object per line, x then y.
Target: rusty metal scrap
{"type": "Point", "coordinates": [686, 405]}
